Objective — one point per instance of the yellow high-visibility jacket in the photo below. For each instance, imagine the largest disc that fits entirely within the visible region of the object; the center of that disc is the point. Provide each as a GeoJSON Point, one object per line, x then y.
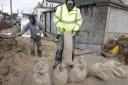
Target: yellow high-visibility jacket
{"type": "Point", "coordinates": [68, 21]}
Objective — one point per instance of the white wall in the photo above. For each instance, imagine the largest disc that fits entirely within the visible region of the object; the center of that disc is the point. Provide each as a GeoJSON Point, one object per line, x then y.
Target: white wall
{"type": "Point", "coordinates": [38, 11]}
{"type": "Point", "coordinates": [117, 20]}
{"type": "Point", "coordinates": [49, 4]}
{"type": "Point", "coordinates": [1, 16]}
{"type": "Point", "coordinates": [124, 2]}
{"type": "Point", "coordinates": [46, 6]}
{"type": "Point", "coordinates": [117, 23]}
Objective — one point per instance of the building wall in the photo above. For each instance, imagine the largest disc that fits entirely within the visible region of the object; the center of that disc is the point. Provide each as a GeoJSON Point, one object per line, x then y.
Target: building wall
{"type": "Point", "coordinates": [1, 16]}
{"type": "Point", "coordinates": [53, 27]}
{"type": "Point", "coordinates": [101, 23]}
{"type": "Point", "coordinates": [49, 4]}
{"type": "Point", "coordinates": [93, 27]}
{"type": "Point", "coordinates": [39, 11]}
{"type": "Point", "coordinates": [48, 22]}
{"type": "Point", "coordinates": [117, 23]}
{"type": "Point", "coordinates": [44, 6]}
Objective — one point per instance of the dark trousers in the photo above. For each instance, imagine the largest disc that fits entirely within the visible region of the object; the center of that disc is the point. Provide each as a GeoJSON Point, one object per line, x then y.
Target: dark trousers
{"type": "Point", "coordinates": [60, 47]}
{"type": "Point", "coordinates": [36, 42]}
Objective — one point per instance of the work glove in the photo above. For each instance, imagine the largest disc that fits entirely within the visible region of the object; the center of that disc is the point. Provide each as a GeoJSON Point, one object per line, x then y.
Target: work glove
{"type": "Point", "coordinates": [18, 34]}
{"type": "Point", "coordinates": [38, 34]}
{"type": "Point", "coordinates": [61, 30]}
{"type": "Point", "coordinates": [77, 32]}
{"type": "Point", "coordinates": [73, 33]}
{"type": "Point", "coordinates": [44, 33]}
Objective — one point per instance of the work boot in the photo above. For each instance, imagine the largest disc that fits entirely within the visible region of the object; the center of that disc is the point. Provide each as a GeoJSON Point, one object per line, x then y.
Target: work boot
{"type": "Point", "coordinates": [39, 53]}
{"type": "Point", "coordinates": [71, 66]}
{"type": "Point", "coordinates": [33, 53]}
{"type": "Point", "coordinates": [55, 65]}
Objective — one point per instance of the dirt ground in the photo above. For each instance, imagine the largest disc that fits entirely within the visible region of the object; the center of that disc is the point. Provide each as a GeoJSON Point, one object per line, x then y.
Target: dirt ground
{"type": "Point", "coordinates": [16, 58]}
{"type": "Point", "coordinates": [4, 25]}
{"type": "Point", "coordinates": [16, 62]}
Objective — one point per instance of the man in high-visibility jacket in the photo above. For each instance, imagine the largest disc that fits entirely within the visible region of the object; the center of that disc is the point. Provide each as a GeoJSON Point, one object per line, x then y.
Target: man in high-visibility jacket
{"type": "Point", "coordinates": [67, 18]}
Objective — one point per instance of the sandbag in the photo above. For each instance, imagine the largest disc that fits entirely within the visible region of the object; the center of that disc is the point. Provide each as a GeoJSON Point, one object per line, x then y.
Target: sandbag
{"type": "Point", "coordinates": [126, 68]}
{"type": "Point", "coordinates": [41, 73]}
{"type": "Point", "coordinates": [101, 71]}
{"type": "Point", "coordinates": [79, 71]}
{"type": "Point", "coordinates": [60, 76]}
{"type": "Point", "coordinates": [80, 59]}
{"type": "Point", "coordinates": [118, 69]}
{"type": "Point", "coordinates": [41, 66]}
{"type": "Point", "coordinates": [68, 48]}
{"type": "Point", "coordinates": [17, 80]}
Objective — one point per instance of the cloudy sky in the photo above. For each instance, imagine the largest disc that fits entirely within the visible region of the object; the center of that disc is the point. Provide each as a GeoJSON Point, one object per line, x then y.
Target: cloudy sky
{"type": "Point", "coordinates": [22, 5]}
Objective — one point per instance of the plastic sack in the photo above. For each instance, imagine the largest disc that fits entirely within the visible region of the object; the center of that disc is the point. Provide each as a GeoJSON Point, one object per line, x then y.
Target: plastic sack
{"type": "Point", "coordinates": [41, 73]}
{"type": "Point", "coordinates": [79, 71]}
{"type": "Point", "coordinates": [68, 48]}
{"type": "Point", "coordinates": [60, 76]}
{"type": "Point", "coordinates": [117, 68]}
{"type": "Point", "coordinates": [101, 71]}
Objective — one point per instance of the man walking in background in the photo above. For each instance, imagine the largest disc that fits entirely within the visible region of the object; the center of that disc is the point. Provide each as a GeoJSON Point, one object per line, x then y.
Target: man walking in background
{"type": "Point", "coordinates": [36, 29]}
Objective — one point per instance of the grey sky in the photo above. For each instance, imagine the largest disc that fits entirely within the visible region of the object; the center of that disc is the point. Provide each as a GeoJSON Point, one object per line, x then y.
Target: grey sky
{"type": "Point", "coordinates": [22, 5]}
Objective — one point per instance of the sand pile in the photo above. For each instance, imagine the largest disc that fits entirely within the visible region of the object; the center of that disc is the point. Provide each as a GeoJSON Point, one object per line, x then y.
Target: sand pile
{"type": "Point", "coordinates": [14, 60]}
{"type": "Point", "coordinates": [4, 25]}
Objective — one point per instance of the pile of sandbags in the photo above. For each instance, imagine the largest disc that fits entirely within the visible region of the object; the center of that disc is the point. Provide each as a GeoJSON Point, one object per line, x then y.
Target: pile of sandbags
{"type": "Point", "coordinates": [39, 76]}
{"type": "Point", "coordinates": [118, 69]}
{"type": "Point", "coordinates": [63, 73]}
{"type": "Point", "coordinates": [109, 70]}
{"type": "Point", "coordinates": [116, 48]}
{"type": "Point", "coordinates": [101, 71]}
